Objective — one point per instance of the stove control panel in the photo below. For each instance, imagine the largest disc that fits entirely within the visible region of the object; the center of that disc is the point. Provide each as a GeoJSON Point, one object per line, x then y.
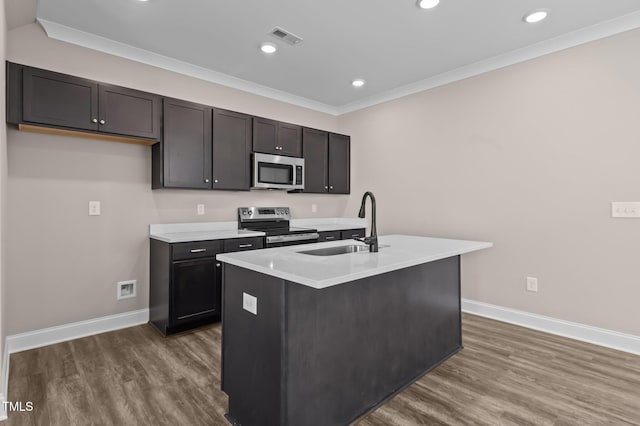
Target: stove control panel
{"type": "Point", "coordinates": [263, 213]}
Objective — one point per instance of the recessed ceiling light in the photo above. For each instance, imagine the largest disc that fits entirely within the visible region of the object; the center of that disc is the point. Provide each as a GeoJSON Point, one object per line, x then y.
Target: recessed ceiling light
{"type": "Point", "coordinates": [268, 48]}
{"type": "Point", "coordinates": [358, 82]}
{"type": "Point", "coordinates": [536, 16]}
{"type": "Point", "coordinates": [428, 4]}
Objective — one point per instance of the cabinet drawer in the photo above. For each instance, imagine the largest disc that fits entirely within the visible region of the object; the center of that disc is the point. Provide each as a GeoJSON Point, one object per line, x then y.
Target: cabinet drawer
{"type": "Point", "coordinates": [329, 236]}
{"type": "Point", "coordinates": [194, 250]}
{"type": "Point", "coordinates": [353, 233]}
{"type": "Point", "coordinates": [240, 244]}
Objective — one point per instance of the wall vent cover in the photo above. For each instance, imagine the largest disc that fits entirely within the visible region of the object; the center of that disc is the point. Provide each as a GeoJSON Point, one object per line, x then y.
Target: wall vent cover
{"type": "Point", "coordinates": [286, 36]}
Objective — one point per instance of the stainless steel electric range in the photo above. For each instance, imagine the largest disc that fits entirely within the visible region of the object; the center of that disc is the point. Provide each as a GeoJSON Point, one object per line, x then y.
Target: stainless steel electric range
{"type": "Point", "coordinates": [274, 221]}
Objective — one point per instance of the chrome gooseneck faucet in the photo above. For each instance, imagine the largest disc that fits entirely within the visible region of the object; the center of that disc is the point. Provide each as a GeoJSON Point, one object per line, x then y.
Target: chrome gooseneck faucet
{"type": "Point", "coordinates": [372, 240]}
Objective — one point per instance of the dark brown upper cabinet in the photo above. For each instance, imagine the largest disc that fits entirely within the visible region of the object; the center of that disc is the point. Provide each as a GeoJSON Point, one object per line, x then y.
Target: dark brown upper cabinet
{"type": "Point", "coordinates": [339, 164]}
{"type": "Point", "coordinates": [44, 98]}
{"type": "Point", "coordinates": [128, 112]}
{"type": "Point", "coordinates": [183, 158]}
{"type": "Point", "coordinates": [326, 162]}
{"type": "Point", "coordinates": [202, 148]}
{"type": "Point", "coordinates": [232, 135]}
{"type": "Point", "coordinates": [276, 137]}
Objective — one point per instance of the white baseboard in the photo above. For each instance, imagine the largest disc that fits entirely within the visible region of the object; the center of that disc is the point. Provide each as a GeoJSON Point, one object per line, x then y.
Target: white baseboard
{"type": "Point", "coordinates": [3, 412]}
{"type": "Point", "coordinates": [61, 333]}
{"type": "Point", "coordinates": [49, 336]}
{"type": "Point", "coordinates": [4, 390]}
{"type": "Point", "coordinates": [597, 336]}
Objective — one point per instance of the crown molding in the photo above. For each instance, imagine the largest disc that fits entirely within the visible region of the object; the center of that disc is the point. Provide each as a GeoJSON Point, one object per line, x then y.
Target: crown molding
{"type": "Point", "coordinates": [102, 44]}
{"type": "Point", "coordinates": [565, 41]}
{"type": "Point", "coordinates": [604, 29]}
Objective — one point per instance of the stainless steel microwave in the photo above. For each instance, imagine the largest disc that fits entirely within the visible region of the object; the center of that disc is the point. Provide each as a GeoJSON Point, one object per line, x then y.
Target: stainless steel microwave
{"type": "Point", "coordinates": [277, 172]}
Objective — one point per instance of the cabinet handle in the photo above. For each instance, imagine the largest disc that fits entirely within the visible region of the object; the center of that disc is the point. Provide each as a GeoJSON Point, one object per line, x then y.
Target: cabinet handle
{"type": "Point", "coordinates": [217, 265]}
{"type": "Point", "coordinates": [215, 181]}
{"type": "Point", "coordinates": [206, 181]}
{"type": "Point", "coordinates": [326, 187]}
{"type": "Point", "coordinates": [102, 121]}
{"type": "Point", "coordinates": [331, 187]}
{"type": "Point", "coordinates": [329, 238]}
{"type": "Point", "coordinates": [245, 245]}
{"type": "Point", "coordinates": [201, 250]}
{"type": "Point", "coordinates": [94, 120]}
{"type": "Point", "coordinates": [355, 235]}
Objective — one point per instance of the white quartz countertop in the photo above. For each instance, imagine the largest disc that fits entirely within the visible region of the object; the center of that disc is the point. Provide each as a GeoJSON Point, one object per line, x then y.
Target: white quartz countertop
{"type": "Point", "coordinates": [204, 231]}
{"type": "Point", "coordinates": [319, 272]}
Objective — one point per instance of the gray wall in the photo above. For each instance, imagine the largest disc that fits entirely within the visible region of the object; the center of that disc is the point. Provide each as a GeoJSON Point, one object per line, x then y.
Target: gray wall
{"type": "Point", "coordinates": [62, 264]}
{"type": "Point", "coordinates": [529, 157]}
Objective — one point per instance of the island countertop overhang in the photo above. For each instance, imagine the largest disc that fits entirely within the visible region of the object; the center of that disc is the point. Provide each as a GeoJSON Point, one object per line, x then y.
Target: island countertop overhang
{"type": "Point", "coordinates": [320, 272]}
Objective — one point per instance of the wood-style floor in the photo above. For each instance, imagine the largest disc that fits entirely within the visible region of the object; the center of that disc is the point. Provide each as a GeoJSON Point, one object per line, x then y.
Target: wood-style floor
{"type": "Point", "coordinates": [505, 375]}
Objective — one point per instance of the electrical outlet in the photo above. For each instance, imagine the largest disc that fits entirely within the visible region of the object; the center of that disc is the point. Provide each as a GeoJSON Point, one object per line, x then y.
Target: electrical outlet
{"type": "Point", "coordinates": [126, 289]}
{"type": "Point", "coordinates": [200, 209]}
{"type": "Point", "coordinates": [94, 208]}
{"type": "Point", "coordinates": [532, 284]}
{"type": "Point", "coordinates": [314, 208]}
{"type": "Point", "coordinates": [625, 209]}
{"type": "Point", "coordinates": [250, 303]}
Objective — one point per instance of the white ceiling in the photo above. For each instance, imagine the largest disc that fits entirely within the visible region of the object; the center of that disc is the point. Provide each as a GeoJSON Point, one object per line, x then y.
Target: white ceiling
{"type": "Point", "coordinates": [392, 44]}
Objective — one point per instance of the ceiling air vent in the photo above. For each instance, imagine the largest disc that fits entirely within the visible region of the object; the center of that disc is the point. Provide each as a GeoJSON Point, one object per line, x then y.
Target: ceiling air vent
{"type": "Point", "coordinates": [286, 36]}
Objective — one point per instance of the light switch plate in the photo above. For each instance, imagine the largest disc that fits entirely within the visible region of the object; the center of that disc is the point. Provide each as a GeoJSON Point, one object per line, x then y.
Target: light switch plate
{"type": "Point", "coordinates": [200, 209]}
{"type": "Point", "coordinates": [250, 303]}
{"type": "Point", "coordinates": [625, 209]}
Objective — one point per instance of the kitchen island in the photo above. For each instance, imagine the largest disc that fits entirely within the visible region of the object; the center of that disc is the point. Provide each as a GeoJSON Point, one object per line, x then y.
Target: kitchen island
{"type": "Point", "coordinates": [317, 339]}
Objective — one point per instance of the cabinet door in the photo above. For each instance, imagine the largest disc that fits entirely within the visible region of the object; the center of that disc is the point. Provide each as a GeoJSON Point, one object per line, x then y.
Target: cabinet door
{"type": "Point", "coordinates": [265, 135]}
{"type": "Point", "coordinates": [195, 290]}
{"type": "Point", "coordinates": [59, 100]}
{"type": "Point", "coordinates": [289, 139]}
{"type": "Point", "coordinates": [129, 112]}
{"type": "Point", "coordinates": [315, 147]}
{"type": "Point", "coordinates": [339, 164]}
{"type": "Point", "coordinates": [186, 145]}
{"type": "Point", "coordinates": [232, 135]}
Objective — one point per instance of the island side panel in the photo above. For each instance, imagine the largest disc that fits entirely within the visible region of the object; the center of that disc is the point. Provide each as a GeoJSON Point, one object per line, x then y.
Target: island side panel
{"type": "Point", "coordinates": [252, 347]}
{"type": "Point", "coordinates": [352, 346]}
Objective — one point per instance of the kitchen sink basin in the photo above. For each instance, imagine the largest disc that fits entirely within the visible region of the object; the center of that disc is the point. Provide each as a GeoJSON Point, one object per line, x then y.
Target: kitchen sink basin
{"type": "Point", "coordinates": [332, 251]}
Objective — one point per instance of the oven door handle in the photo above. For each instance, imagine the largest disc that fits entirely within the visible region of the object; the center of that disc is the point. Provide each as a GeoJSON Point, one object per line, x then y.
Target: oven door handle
{"type": "Point", "coordinates": [292, 237]}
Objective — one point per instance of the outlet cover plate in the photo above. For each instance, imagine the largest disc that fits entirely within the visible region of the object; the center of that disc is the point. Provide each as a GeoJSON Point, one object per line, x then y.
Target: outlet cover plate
{"type": "Point", "coordinates": [250, 303]}
{"type": "Point", "coordinates": [94, 208]}
{"type": "Point", "coordinates": [625, 209]}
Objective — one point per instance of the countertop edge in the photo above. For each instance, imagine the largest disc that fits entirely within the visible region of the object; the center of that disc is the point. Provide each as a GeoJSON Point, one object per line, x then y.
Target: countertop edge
{"type": "Point", "coordinates": [228, 258]}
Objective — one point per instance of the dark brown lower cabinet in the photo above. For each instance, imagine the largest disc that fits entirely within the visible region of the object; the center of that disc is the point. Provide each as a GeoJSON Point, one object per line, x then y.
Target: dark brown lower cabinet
{"type": "Point", "coordinates": [186, 282]}
{"type": "Point", "coordinates": [196, 286]}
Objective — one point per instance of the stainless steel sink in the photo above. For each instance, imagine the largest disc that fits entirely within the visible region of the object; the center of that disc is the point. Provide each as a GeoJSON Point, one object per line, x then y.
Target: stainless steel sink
{"type": "Point", "coordinates": [332, 251]}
